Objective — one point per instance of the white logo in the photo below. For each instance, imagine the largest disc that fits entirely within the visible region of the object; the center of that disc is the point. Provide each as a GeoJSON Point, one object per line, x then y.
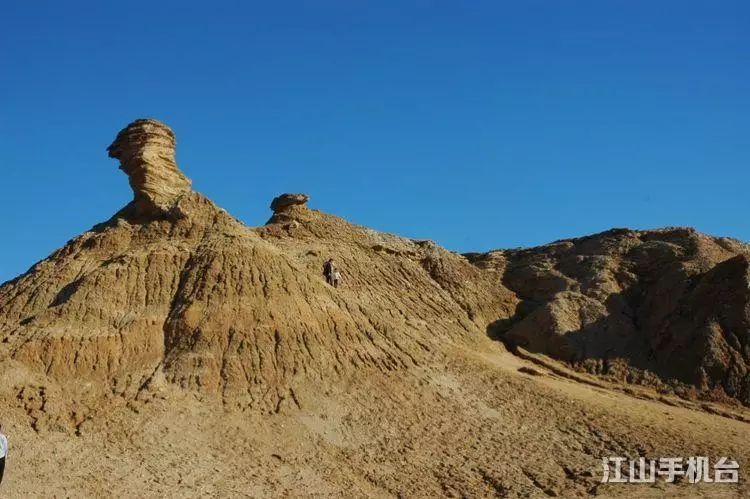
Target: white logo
{"type": "Point", "coordinates": [671, 469]}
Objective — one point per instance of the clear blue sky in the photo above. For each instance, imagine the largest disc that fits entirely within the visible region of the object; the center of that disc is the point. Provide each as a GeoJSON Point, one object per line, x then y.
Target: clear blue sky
{"type": "Point", "coordinates": [476, 124]}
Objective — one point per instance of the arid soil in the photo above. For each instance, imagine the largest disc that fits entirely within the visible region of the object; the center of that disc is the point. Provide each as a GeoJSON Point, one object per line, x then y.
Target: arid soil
{"type": "Point", "coordinates": [171, 351]}
{"type": "Point", "coordinates": [468, 425]}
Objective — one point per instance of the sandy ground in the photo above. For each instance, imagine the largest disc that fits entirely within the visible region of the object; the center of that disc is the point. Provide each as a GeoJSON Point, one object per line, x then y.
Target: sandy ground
{"type": "Point", "coordinates": [466, 425]}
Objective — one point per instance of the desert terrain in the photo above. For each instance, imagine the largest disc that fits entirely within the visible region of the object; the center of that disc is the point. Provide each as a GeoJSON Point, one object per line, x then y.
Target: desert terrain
{"type": "Point", "coordinates": [173, 351]}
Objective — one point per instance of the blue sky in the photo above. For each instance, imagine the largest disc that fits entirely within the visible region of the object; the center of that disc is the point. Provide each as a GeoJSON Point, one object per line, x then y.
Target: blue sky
{"type": "Point", "coordinates": [476, 124]}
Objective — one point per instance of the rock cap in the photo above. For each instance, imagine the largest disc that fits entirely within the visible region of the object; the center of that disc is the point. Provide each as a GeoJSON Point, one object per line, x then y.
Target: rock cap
{"type": "Point", "coordinates": [284, 201]}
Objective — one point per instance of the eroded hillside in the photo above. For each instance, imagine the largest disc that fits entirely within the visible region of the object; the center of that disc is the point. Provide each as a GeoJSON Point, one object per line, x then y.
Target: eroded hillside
{"type": "Point", "coordinates": [669, 308]}
{"type": "Point", "coordinates": [174, 287]}
{"type": "Point", "coordinates": [173, 351]}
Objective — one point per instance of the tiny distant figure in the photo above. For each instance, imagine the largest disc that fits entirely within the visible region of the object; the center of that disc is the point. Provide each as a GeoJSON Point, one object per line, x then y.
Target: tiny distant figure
{"type": "Point", "coordinates": [328, 270]}
{"type": "Point", "coordinates": [3, 452]}
{"type": "Point", "coordinates": [336, 279]}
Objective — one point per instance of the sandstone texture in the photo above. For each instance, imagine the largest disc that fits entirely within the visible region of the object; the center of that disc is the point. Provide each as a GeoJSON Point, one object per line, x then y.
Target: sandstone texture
{"type": "Point", "coordinates": [172, 351]}
{"type": "Point", "coordinates": [668, 307]}
{"type": "Point", "coordinates": [289, 210]}
{"type": "Point", "coordinates": [211, 305]}
{"type": "Point", "coordinates": [283, 202]}
{"type": "Point", "coordinates": [146, 150]}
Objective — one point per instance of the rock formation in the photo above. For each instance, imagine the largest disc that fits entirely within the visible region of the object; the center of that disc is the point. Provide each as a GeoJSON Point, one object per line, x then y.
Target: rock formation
{"type": "Point", "coordinates": [196, 297]}
{"type": "Point", "coordinates": [204, 302]}
{"type": "Point", "coordinates": [194, 355]}
{"type": "Point", "coordinates": [289, 210]}
{"type": "Point", "coordinates": [667, 307]}
{"type": "Point", "coordinates": [284, 201]}
{"type": "Point", "coordinates": [146, 150]}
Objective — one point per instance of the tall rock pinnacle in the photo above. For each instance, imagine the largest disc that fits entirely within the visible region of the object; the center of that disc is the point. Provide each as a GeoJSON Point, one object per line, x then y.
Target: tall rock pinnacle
{"type": "Point", "coordinates": [145, 149]}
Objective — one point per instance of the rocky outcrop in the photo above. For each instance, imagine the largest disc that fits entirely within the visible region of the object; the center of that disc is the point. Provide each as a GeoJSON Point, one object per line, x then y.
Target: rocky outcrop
{"type": "Point", "coordinates": [210, 305]}
{"type": "Point", "coordinates": [284, 201]}
{"type": "Point", "coordinates": [289, 210]}
{"type": "Point", "coordinates": [669, 307]}
{"type": "Point", "coordinates": [204, 302]}
{"type": "Point", "coordinates": [146, 150]}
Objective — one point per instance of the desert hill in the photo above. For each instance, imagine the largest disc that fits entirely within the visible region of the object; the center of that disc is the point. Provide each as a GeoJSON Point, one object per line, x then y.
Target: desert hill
{"type": "Point", "coordinates": [173, 326]}
{"type": "Point", "coordinates": [667, 307]}
{"type": "Point", "coordinates": [174, 286]}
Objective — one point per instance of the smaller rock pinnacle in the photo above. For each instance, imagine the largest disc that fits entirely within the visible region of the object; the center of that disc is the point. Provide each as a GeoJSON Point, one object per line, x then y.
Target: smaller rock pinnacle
{"type": "Point", "coordinates": [284, 201]}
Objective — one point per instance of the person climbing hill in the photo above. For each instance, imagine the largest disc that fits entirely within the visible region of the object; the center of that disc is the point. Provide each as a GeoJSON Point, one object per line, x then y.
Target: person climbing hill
{"type": "Point", "coordinates": [3, 452]}
{"type": "Point", "coordinates": [329, 268]}
{"type": "Point", "coordinates": [336, 278]}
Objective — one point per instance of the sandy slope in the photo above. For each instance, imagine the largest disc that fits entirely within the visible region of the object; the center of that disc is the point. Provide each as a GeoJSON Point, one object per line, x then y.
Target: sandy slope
{"type": "Point", "coordinates": [467, 424]}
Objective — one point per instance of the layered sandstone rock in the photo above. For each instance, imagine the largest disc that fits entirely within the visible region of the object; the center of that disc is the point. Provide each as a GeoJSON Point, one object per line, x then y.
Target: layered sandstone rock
{"type": "Point", "coordinates": [204, 302]}
{"type": "Point", "coordinates": [666, 307]}
{"type": "Point", "coordinates": [284, 201]}
{"type": "Point", "coordinates": [289, 210]}
{"type": "Point", "coordinates": [146, 150]}
{"type": "Point", "coordinates": [173, 328]}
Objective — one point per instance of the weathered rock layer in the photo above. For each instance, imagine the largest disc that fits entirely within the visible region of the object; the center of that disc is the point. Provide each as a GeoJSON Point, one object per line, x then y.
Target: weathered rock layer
{"type": "Point", "coordinates": [283, 202]}
{"type": "Point", "coordinates": [146, 150]}
{"type": "Point", "coordinates": [668, 307]}
{"type": "Point", "coordinates": [204, 302]}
